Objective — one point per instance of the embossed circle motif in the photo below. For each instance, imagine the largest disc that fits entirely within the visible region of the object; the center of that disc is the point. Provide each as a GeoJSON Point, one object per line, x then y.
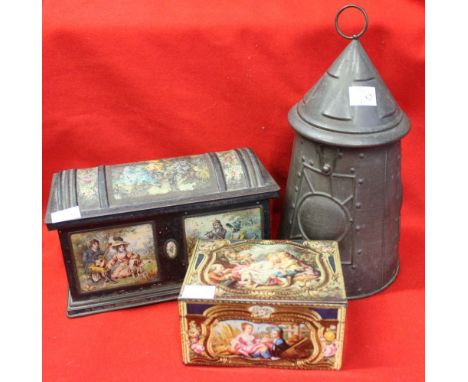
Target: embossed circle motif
{"type": "Point", "coordinates": [322, 218]}
{"type": "Point", "coordinates": [170, 247]}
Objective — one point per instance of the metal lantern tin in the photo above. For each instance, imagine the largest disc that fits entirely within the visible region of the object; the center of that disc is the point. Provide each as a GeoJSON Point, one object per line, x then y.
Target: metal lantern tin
{"type": "Point", "coordinates": [344, 180]}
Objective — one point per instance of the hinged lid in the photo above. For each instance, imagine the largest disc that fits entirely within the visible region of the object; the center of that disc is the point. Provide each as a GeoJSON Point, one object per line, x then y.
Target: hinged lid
{"type": "Point", "coordinates": [110, 190]}
{"type": "Point", "coordinates": [350, 105]}
{"type": "Point", "coordinates": [265, 270]}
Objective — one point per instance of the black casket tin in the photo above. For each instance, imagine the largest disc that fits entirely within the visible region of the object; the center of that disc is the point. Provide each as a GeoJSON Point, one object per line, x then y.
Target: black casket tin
{"type": "Point", "coordinates": [145, 218]}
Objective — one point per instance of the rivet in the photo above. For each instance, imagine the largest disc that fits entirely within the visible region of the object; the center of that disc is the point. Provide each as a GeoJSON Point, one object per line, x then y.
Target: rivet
{"type": "Point", "coordinates": [360, 181]}
{"type": "Point", "coordinates": [351, 220]}
{"type": "Point", "coordinates": [293, 205]}
{"type": "Point", "coordinates": [359, 251]}
{"type": "Point", "coordinates": [352, 169]}
{"type": "Point", "coordinates": [361, 155]}
{"type": "Point", "coordinates": [359, 289]}
{"type": "Point", "coordinates": [358, 228]}
{"type": "Point", "coordinates": [303, 159]}
{"type": "Point", "coordinates": [358, 205]}
{"type": "Point", "coordinates": [311, 162]}
{"type": "Point", "coordinates": [326, 168]}
{"type": "Point", "coordinates": [354, 266]}
{"type": "Point", "coordinates": [299, 174]}
{"type": "Point", "coordinates": [296, 188]}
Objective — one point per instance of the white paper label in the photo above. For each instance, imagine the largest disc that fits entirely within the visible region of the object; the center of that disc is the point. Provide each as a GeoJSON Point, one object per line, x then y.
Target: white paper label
{"type": "Point", "coordinates": [362, 96]}
{"type": "Point", "coordinates": [66, 214]}
{"type": "Point", "coordinates": [205, 292]}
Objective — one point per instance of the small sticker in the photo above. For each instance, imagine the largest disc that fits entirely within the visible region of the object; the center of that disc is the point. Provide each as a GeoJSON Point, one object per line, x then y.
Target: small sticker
{"type": "Point", "coordinates": [66, 214]}
{"type": "Point", "coordinates": [205, 292]}
{"type": "Point", "coordinates": [362, 96]}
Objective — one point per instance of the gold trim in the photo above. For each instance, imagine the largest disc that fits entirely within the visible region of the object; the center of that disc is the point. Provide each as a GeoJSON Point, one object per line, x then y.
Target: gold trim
{"type": "Point", "coordinates": [341, 333]}
{"type": "Point", "coordinates": [219, 313]}
{"type": "Point", "coordinates": [183, 333]}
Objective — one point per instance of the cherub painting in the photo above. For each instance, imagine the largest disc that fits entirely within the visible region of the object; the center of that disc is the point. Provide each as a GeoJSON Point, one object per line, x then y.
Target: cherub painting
{"type": "Point", "coordinates": [256, 266]}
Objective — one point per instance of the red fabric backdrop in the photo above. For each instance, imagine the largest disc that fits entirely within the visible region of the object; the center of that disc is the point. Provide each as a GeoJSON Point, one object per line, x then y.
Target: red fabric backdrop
{"type": "Point", "coordinates": [131, 80]}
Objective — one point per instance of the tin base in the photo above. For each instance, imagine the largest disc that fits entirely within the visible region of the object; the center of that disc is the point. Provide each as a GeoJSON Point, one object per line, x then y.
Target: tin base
{"type": "Point", "coordinates": [77, 308]}
{"type": "Point", "coordinates": [392, 279]}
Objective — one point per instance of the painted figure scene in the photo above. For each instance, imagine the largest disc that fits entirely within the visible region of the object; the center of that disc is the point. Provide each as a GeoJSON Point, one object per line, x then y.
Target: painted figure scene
{"type": "Point", "coordinates": [234, 225]}
{"type": "Point", "coordinates": [253, 266]}
{"type": "Point", "coordinates": [160, 177]}
{"type": "Point", "coordinates": [261, 340]}
{"type": "Point", "coordinates": [115, 257]}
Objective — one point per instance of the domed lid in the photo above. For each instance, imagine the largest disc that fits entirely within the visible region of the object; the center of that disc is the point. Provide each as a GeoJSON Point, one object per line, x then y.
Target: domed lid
{"type": "Point", "coordinates": [350, 105]}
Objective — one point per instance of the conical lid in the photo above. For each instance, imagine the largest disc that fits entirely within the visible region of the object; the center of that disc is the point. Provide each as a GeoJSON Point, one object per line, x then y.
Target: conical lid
{"type": "Point", "coordinates": [350, 105]}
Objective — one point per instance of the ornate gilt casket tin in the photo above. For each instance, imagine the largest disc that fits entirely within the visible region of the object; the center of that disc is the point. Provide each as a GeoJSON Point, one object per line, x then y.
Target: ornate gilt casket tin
{"type": "Point", "coordinates": [344, 180]}
{"type": "Point", "coordinates": [279, 304]}
{"type": "Point", "coordinates": [125, 230]}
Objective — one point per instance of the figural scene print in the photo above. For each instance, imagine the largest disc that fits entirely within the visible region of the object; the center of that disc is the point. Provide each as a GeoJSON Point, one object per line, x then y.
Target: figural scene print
{"type": "Point", "coordinates": [233, 225]}
{"type": "Point", "coordinates": [261, 340]}
{"type": "Point", "coordinates": [276, 335]}
{"type": "Point", "coordinates": [160, 177]}
{"type": "Point", "coordinates": [114, 257]}
{"type": "Point", "coordinates": [255, 266]}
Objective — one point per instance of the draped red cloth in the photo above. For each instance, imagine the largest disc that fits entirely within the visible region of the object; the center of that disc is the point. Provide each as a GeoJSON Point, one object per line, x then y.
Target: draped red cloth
{"type": "Point", "coordinates": [131, 80]}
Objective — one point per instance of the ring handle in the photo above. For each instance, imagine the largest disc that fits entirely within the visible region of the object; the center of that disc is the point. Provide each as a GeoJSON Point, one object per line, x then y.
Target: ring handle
{"type": "Point", "coordinates": [354, 36]}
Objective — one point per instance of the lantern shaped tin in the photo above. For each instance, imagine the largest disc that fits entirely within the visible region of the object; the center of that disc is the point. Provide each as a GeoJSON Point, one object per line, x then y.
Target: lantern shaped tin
{"type": "Point", "coordinates": [344, 179]}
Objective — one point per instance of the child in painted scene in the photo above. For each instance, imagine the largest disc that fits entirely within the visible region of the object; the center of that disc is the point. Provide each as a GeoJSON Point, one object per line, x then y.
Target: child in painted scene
{"type": "Point", "coordinates": [91, 254]}
{"type": "Point", "coordinates": [122, 262]}
{"type": "Point", "coordinates": [247, 344]}
{"type": "Point", "coordinates": [249, 271]}
{"type": "Point", "coordinates": [94, 262]}
{"type": "Point", "coordinates": [266, 346]}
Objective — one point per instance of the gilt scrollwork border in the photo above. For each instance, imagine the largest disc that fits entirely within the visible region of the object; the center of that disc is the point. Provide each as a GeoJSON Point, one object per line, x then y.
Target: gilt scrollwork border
{"type": "Point", "coordinates": [288, 314]}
